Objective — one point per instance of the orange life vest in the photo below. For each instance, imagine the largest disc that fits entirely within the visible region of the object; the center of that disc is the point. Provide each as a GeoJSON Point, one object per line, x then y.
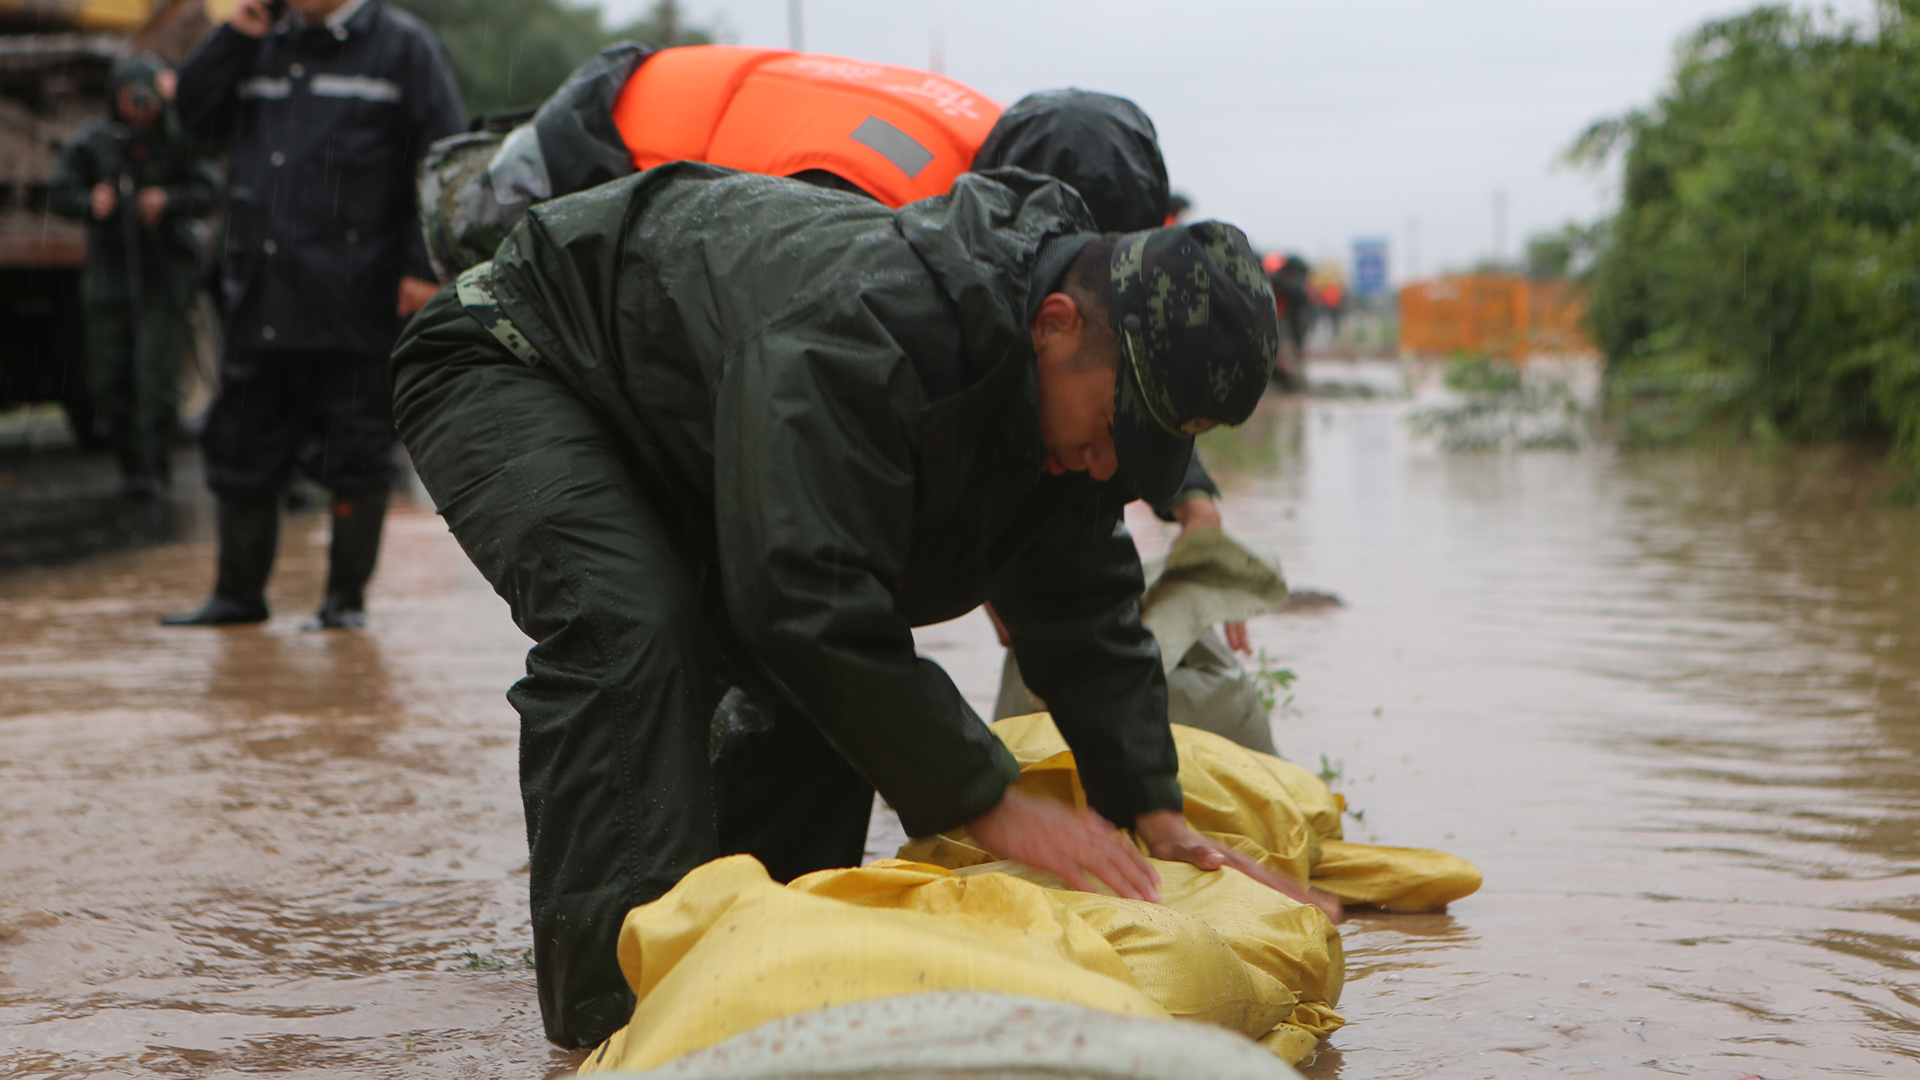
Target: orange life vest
{"type": "Point", "coordinates": [896, 133]}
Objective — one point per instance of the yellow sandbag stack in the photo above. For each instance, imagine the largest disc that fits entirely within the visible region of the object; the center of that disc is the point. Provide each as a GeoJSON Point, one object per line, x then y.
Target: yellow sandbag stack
{"type": "Point", "coordinates": [728, 949]}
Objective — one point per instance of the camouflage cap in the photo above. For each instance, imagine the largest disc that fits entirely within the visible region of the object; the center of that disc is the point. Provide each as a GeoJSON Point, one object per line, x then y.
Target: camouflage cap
{"type": "Point", "coordinates": [1198, 336]}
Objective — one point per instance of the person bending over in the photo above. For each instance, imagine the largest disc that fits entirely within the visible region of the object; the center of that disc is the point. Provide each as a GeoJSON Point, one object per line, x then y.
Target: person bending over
{"type": "Point", "coordinates": [705, 429]}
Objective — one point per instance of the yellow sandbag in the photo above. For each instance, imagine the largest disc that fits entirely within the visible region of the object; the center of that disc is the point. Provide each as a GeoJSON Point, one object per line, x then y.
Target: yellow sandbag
{"type": "Point", "coordinates": [1393, 878]}
{"type": "Point", "coordinates": [728, 949]}
{"type": "Point", "coordinates": [1222, 948]}
{"type": "Point", "coordinates": [1271, 810]}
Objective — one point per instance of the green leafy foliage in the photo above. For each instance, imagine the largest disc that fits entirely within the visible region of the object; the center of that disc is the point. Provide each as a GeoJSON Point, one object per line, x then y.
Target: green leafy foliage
{"type": "Point", "coordinates": [1566, 252]}
{"type": "Point", "coordinates": [1549, 255]}
{"type": "Point", "coordinates": [511, 54]}
{"type": "Point", "coordinates": [1762, 277]}
{"type": "Point", "coordinates": [1479, 373]}
{"type": "Point", "coordinates": [1496, 406]}
{"type": "Point", "coordinates": [1330, 771]}
{"type": "Point", "coordinates": [1273, 683]}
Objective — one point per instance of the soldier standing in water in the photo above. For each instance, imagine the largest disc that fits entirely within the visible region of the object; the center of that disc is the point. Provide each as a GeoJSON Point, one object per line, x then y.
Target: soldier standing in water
{"type": "Point", "coordinates": [132, 178]}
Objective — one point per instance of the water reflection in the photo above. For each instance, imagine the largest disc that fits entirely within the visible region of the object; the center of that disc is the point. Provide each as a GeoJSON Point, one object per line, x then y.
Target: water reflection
{"type": "Point", "coordinates": [255, 848]}
{"type": "Point", "coordinates": [61, 506]}
{"type": "Point", "coordinates": [1667, 702]}
{"type": "Point", "coordinates": [289, 698]}
{"type": "Point", "coordinates": [1824, 581]}
{"type": "Point", "coordinates": [1387, 945]}
{"type": "Point", "coordinates": [1254, 449]}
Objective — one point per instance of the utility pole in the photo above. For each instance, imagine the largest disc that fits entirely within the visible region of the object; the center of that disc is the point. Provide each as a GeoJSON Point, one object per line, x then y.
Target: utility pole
{"type": "Point", "coordinates": [1413, 248]}
{"type": "Point", "coordinates": [666, 22]}
{"type": "Point", "coordinates": [1499, 225]}
{"type": "Point", "coordinates": [795, 17]}
{"type": "Point", "coordinates": [937, 54]}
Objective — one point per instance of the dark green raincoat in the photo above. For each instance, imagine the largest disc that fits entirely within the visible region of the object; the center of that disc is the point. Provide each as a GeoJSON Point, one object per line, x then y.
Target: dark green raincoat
{"type": "Point", "coordinates": [778, 426]}
{"type": "Point", "coordinates": [139, 278]}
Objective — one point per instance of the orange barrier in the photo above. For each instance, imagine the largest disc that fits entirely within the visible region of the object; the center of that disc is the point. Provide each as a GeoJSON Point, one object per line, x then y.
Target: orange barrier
{"type": "Point", "coordinates": [1497, 314]}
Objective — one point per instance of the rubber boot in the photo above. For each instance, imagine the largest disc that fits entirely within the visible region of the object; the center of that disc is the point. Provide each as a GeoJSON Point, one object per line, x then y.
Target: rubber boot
{"type": "Point", "coordinates": [142, 477]}
{"type": "Point", "coordinates": [357, 520]}
{"type": "Point", "coordinates": [249, 532]}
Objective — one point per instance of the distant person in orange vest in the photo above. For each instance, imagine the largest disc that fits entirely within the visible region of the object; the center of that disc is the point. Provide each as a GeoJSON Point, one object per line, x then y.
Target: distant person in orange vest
{"type": "Point", "coordinates": [1294, 302]}
{"type": "Point", "coordinates": [1333, 301]}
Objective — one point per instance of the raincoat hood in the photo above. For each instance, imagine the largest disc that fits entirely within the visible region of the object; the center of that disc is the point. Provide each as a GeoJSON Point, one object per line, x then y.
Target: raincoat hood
{"type": "Point", "coordinates": [1105, 147]}
{"type": "Point", "coordinates": [132, 71]}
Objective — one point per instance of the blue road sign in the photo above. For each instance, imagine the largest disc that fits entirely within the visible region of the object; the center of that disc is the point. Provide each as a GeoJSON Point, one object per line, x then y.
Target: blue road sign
{"type": "Point", "coordinates": [1370, 266]}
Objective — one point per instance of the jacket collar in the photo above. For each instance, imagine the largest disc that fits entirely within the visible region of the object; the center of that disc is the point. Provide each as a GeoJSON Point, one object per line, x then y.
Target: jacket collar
{"type": "Point", "coordinates": [350, 19]}
{"type": "Point", "coordinates": [343, 15]}
{"type": "Point", "coordinates": [1056, 256]}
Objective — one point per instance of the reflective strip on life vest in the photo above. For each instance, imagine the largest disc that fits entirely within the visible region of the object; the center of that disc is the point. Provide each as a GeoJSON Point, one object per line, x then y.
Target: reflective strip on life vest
{"type": "Point", "coordinates": [896, 133]}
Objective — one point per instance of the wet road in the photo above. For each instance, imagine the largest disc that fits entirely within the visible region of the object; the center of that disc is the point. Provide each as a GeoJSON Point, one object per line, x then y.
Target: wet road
{"type": "Point", "coordinates": [1667, 702]}
{"type": "Point", "coordinates": [59, 504]}
{"type": "Point", "coordinates": [256, 849]}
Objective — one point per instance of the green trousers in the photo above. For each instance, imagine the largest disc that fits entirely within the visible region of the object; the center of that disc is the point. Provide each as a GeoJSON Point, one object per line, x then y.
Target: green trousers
{"type": "Point", "coordinates": [133, 358]}
{"type": "Point", "coordinates": [626, 786]}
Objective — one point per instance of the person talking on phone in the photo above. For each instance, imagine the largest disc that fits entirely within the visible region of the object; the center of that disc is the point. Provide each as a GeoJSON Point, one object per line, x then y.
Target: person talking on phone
{"type": "Point", "coordinates": [327, 106]}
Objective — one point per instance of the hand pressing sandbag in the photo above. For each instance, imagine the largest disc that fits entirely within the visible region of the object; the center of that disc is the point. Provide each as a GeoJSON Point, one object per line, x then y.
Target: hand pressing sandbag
{"type": "Point", "coordinates": [1269, 809]}
{"type": "Point", "coordinates": [1288, 820]}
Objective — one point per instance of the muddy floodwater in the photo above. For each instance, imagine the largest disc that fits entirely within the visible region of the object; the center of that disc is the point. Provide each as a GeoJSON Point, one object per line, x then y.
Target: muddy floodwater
{"type": "Point", "coordinates": [1668, 702]}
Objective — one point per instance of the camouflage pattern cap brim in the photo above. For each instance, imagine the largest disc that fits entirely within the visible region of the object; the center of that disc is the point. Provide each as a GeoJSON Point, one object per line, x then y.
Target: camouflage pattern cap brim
{"type": "Point", "coordinates": [1153, 460]}
{"type": "Point", "coordinates": [1198, 337]}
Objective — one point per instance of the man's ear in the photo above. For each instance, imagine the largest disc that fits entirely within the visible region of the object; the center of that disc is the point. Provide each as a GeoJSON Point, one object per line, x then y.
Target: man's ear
{"type": "Point", "coordinates": [1058, 315]}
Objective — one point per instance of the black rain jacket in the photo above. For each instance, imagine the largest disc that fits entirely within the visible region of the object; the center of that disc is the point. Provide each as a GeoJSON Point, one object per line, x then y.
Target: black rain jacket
{"type": "Point", "coordinates": [1103, 145]}
{"type": "Point", "coordinates": [107, 150]}
{"type": "Point", "coordinates": [328, 125]}
{"type": "Point", "coordinates": [838, 401]}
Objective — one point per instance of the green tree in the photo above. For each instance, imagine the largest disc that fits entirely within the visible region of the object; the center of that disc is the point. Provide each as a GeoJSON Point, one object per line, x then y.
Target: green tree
{"type": "Point", "coordinates": [1762, 275]}
{"type": "Point", "coordinates": [511, 54]}
{"type": "Point", "coordinates": [1566, 252]}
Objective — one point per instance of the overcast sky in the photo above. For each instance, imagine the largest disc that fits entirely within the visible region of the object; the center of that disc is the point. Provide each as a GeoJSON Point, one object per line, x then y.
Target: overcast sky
{"type": "Point", "coordinates": [1307, 124]}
